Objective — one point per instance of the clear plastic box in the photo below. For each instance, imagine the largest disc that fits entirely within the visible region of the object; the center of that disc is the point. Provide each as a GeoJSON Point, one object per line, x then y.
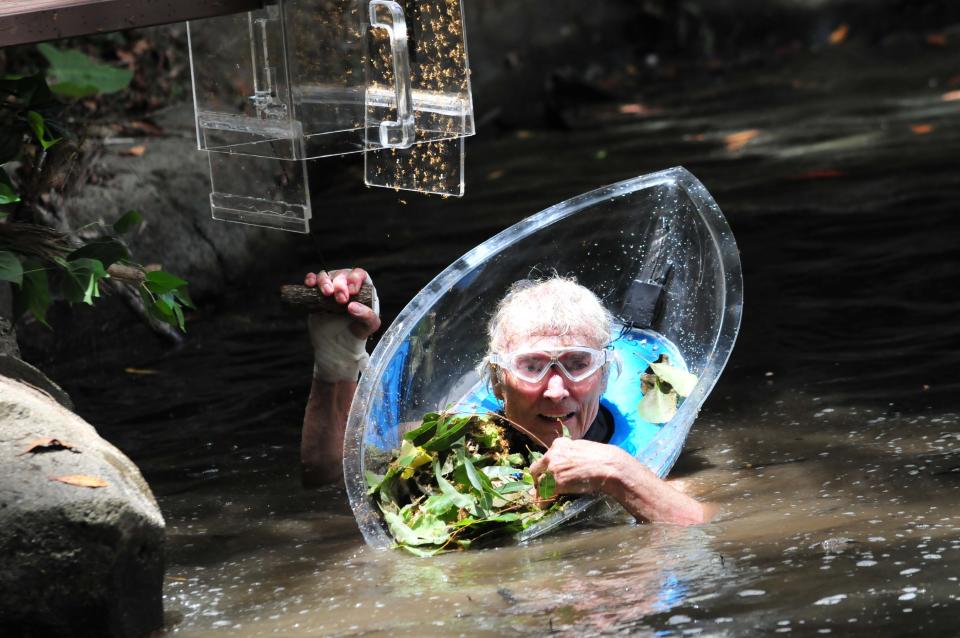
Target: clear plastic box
{"type": "Point", "coordinates": [306, 79]}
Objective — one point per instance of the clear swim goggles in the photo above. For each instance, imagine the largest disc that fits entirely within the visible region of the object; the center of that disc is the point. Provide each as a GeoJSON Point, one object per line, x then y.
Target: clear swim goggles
{"type": "Point", "coordinates": [575, 362]}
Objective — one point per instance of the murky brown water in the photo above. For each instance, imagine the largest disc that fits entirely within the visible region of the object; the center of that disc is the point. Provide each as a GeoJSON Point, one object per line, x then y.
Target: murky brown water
{"type": "Point", "coordinates": [832, 442]}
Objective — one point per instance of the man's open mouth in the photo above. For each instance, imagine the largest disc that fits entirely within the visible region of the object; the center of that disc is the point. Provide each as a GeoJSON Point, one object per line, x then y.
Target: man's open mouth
{"type": "Point", "coordinates": [557, 417]}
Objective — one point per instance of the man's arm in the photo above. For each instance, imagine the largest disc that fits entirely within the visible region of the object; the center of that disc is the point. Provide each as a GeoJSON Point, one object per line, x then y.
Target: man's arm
{"type": "Point", "coordinates": [324, 423]}
{"type": "Point", "coordinates": [581, 467]}
{"type": "Point", "coordinates": [339, 344]}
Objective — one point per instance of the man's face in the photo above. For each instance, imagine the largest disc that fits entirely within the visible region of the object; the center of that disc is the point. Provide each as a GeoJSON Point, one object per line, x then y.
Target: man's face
{"type": "Point", "coordinates": [537, 406]}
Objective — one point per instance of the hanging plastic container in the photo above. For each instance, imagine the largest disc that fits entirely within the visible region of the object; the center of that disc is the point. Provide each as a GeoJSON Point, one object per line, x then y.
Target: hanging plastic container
{"type": "Point", "coordinates": [306, 79]}
{"type": "Point", "coordinates": [655, 249]}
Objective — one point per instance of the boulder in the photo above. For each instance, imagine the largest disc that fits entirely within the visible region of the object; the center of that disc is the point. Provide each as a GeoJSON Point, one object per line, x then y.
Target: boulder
{"type": "Point", "coordinates": [77, 561]}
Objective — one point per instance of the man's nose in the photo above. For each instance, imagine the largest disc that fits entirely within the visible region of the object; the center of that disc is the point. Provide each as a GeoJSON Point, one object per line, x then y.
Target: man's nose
{"type": "Point", "coordinates": [556, 386]}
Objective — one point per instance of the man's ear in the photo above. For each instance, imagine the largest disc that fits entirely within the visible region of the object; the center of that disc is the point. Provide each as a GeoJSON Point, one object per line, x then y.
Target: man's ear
{"type": "Point", "coordinates": [498, 390]}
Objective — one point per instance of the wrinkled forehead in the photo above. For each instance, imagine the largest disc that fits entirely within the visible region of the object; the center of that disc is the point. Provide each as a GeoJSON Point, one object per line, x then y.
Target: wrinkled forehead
{"type": "Point", "coordinates": [522, 341]}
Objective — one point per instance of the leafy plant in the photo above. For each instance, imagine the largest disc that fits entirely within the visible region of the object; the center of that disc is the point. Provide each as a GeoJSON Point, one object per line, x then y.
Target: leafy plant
{"type": "Point", "coordinates": [663, 385]}
{"type": "Point", "coordinates": [455, 481]}
{"type": "Point", "coordinates": [76, 75]}
{"type": "Point", "coordinates": [41, 263]}
{"type": "Point", "coordinates": [42, 266]}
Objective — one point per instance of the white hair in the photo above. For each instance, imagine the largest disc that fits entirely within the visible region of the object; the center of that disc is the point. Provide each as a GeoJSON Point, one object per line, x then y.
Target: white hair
{"type": "Point", "coordinates": [551, 306]}
{"type": "Point", "coordinates": [554, 306]}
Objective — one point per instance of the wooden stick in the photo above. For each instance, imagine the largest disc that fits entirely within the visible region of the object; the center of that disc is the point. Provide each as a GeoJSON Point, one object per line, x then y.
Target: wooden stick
{"type": "Point", "coordinates": [309, 299]}
{"type": "Point", "coordinates": [126, 274]}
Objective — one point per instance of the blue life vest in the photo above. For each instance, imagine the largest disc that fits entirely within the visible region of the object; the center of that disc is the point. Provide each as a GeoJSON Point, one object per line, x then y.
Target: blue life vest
{"type": "Point", "coordinates": [634, 350]}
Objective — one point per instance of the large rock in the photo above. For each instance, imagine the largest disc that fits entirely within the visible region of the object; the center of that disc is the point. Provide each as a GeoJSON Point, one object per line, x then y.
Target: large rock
{"type": "Point", "coordinates": [74, 561]}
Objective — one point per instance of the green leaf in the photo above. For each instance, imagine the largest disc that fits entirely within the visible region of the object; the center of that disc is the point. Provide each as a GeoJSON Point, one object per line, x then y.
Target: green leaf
{"type": "Point", "coordinates": [449, 432]}
{"type": "Point", "coordinates": [499, 472]}
{"type": "Point", "coordinates": [40, 130]}
{"type": "Point", "coordinates": [410, 455]}
{"type": "Point", "coordinates": [163, 309]}
{"type": "Point", "coordinates": [422, 434]}
{"type": "Point", "coordinates": [419, 552]}
{"type": "Point", "coordinates": [427, 530]}
{"type": "Point", "coordinates": [7, 194]}
{"type": "Point", "coordinates": [181, 295]}
{"type": "Point", "coordinates": [656, 406]}
{"type": "Point", "coordinates": [489, 433]}
{"type": "Point", "coordinates": [178, 314]}
{"type": "Point", "coordinates": [401, 532]}
{"type": "Point", "coordinates": [683, 382]}
{"type": "Point", "coordinates": [10, 268]}
{"type": "Point", "coordinates": [81, 283]}
{"type": "Point", "coordinates": [76, 75]}
{"type": "Point", "coordinates": [159, 282]}
{"type": "Point", "coordinates": [129, 221]}
{"type": "Point", "coordinates": [547, 486]}
{"type": "Point", "coordinates": [33, 295]}
{"type": "Point", "coordinates": [146, 297]}
{"type": "Point", "coordinates": [462, 501]}
{"type": "Point", "coordinates": [439, 505]}
{"type": "Point", "coordinates": [431, 529]}
{"type": "Point", "coordinates": [161, 302]}
{"type": "Point", "coordinates": [512, 488]}
{"type": "Point", "coordinates": [480, 482]}
{"type": "Point", "coordinates": [106, 251]}
{"type": "Point", "coordinates": [514, 460]}
{"type": "Point", "coordinates": [505, 517]}
{"type": "Point", "coordinates": [373, 481]}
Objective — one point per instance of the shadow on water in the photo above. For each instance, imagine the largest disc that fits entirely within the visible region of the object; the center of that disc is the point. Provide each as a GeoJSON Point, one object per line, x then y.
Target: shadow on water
{"type": "Point", "coordinates": [831, 441]}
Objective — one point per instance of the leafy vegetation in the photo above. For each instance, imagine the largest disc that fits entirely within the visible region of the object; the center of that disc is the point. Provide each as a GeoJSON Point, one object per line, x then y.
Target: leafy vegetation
{"type": "Point", "coordinates": [76, 75]}
{"type": "Point", "coordinates": [455, 482]}
{"type": "Point", "coordinates": [40, 263]}
{"type": "Point", "coordinates": [663, 385]}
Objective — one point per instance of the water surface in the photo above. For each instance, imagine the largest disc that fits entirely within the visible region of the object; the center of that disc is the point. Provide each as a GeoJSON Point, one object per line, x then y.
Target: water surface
{"type": "Point", "coordinates": [831, 442]}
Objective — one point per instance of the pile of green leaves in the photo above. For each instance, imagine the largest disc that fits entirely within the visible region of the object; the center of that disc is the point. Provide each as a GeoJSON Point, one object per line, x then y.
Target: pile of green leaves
{"type": "Point", "coordinates": [455, 482]}
{"type": "Point", "coordinates": [41, 263]}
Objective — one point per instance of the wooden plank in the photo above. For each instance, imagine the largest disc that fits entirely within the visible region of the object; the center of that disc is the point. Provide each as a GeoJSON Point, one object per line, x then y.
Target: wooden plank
{"type": "Point", "coordinates": [25, 21]}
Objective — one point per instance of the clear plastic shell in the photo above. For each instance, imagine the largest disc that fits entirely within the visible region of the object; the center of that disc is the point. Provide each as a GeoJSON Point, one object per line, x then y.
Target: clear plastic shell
{"type": "Point", "coordinates": [662, 230]}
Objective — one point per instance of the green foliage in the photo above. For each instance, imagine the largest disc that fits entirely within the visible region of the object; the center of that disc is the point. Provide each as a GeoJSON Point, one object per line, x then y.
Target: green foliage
{"type": "Point", "coordinates": [34, 294]}
{"type": "Point", "coordinates": [39, 127]}
{"type": "Point", "coordinates": [75, 276]}
{"type": "Point", "coordinates": [7, 194]}
{"type": "Point", "coordinates": [663, 386]}
{"type": "Point", "coordinates": [10, 268]}
{"type": "Point", "coordinates": [128, 222]}
{"type": "Point", "coordinates": [40, 263]}
{"type": "Point", "coordinates": [76, 75]}
{"type": "Point", "coordinates": [455, 481]}
{"type": "Point", "coordinates": [27, 109]}
{"type": "Point", "coordinates": [547, 486]}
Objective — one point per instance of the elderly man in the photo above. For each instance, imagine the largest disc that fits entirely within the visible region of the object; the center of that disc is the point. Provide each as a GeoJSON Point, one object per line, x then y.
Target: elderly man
{"type": "Point", "coordinates": [547, 364]}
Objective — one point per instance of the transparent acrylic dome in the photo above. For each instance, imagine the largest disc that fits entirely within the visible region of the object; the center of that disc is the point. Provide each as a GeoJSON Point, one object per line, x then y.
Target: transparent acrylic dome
{"type": "Point", "coordinates": [662, 230]}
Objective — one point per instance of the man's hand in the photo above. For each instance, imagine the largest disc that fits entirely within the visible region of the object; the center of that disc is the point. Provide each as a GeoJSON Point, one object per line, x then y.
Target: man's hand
{"type": "Point", "coordinates": [339, 341]}
{"type": "Point", "coordinates": [584, 467]}
{"type": "Point", "coordinates": [343, 284]}
{"type": "Point", "coordinates": [339, 345]}
{"type": "Point", "coordinates": [578, 466]}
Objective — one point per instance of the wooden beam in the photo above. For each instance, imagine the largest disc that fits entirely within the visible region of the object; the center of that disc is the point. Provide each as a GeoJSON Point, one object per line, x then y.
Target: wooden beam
{"type": "Point", "coordinates": [25, 21]}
